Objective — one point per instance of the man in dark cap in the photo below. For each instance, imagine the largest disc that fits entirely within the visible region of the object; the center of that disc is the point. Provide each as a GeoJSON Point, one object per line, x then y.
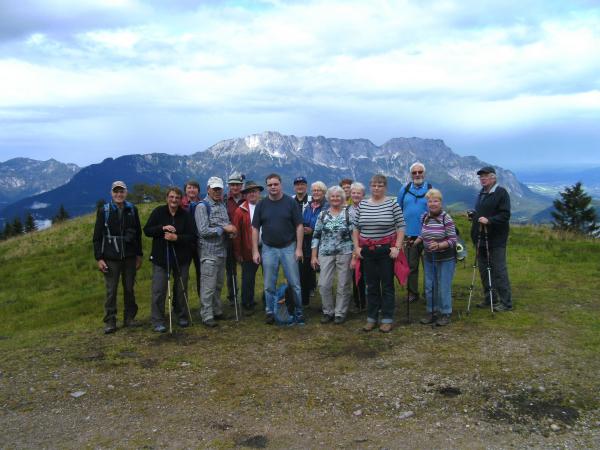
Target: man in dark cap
{"type": "Point", "coordinates": [491, 217]}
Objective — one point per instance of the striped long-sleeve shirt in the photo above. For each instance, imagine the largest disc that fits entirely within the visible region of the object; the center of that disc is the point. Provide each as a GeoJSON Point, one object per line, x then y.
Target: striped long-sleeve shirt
{"type": "Point", "coordinates": [439, 228]}
{"type": "Point", "coordinates": [378, 220]}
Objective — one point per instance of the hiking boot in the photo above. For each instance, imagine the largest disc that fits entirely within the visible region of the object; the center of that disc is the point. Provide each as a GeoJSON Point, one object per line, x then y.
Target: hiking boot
{"type": "Point", "coordinates": [270, 319]}
{"type": "Point", "coordinates": [132, 323]}
{"type": "Point", "coordinates": [501, 307]}
{"type": "Point", "coordinates": [443, 320]}
{"type": "Point", "coordinates": [428, 318]}
{"type": "Point", "coordinates": [339, 320]}
{"type": "Point", "coordinates": [110, 328]}
{"type": "Point", "coordinates": [219, 316]}
{"type": "Point", "coordinates": [370, 326]}
{"type": "Point", "coordinates": [160, 329]}
{"type": "Point", "coordinates": [326, 318]}
{"type": "Point", "coordinates": [210, 323]}
{"type": "Point", "coordinates": [385, 327]}
{"type": "Point", "coordinates": [183, 323]}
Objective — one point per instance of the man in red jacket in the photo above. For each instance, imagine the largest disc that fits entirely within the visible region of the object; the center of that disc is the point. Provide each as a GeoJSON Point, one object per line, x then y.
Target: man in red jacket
{"type": "Point", "coordinates": [242, 244]}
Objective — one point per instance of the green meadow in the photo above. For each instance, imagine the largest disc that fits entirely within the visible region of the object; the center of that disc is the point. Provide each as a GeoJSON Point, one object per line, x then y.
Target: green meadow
{"type": "Point", "coordinates": [526, 378]}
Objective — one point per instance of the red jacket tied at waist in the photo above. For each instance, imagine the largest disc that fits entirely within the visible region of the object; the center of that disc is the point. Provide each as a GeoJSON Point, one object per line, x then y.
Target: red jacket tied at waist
{"type": "Point", "coordinates": [401, 268]}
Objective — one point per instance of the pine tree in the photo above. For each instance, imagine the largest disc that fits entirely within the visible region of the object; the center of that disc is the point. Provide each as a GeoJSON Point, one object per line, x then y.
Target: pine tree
{"type": "Point", "coordinates": [573, 211]}
{"type": "Point", "coordinates": [61, 216]}
{"type": "Point", "coordinates": [8, 231]}
{"type": "Point", "coordinates": [30, 224]}
{"type": "Point", "coordinates": [17, 227]}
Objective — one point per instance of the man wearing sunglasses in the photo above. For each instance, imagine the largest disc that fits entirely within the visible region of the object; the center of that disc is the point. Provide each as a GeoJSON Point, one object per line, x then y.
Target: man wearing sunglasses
{"type": "Point", "coordinates": [414, 204]}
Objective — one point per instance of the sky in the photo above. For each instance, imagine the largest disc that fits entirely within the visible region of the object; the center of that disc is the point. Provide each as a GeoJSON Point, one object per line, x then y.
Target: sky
{"type": "Point", "coordinates": [515, 83]}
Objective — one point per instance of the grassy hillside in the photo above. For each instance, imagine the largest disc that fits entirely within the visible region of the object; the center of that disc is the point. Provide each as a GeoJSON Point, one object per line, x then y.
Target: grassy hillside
{"type": "Point", "coordinates": [524, 378]}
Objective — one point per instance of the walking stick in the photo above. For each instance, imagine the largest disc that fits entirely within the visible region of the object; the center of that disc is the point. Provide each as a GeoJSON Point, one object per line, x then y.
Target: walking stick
{"type": "Point", "coordinates": [434, 286]}
{"type": "Point", "coordinates": [475, 262]}
{"type": "Point", "coordinates": [489, 268]}
{"type": "Point", "coordinates": [185, 297]}
{"type": "Point", "coordinates": [169, 297]}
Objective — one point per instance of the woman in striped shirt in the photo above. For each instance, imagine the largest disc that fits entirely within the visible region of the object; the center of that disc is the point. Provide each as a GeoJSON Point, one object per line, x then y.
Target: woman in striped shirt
{"type": "Point", "coordinates": [378, 236]}
{"type": "Point", "coordinates": [438, 235]}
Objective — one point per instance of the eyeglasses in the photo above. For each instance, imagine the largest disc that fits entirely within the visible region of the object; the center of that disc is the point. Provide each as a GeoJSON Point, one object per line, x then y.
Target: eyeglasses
{"type": "Point", "coordinates": [417, 172]}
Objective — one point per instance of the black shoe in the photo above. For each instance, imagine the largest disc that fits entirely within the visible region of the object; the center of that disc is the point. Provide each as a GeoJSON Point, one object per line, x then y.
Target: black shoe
{"type": "Point", "coordinates": [132, 323]}
{"type": "Point", "coordinates": [160, 329]}
{"type": "Point", "coordinates": [501, 307]}
{"type": "Point", "coordinates": [428, 318]}
{"type": "Point", "coordinates": [339, 320]}
{"type": "Point", "coordinates": [219, 316]}
{"type": "Point", "coordinates": [110, 328]}
{"type": "Point", "coordinates": [413, 298]}
{"type": "Point", "coordinates": [326, 318]}
{"type": "Point", "coordinates": [270, 319]}
{"type": "Point", "coordinates": [210, 323]}
{"type": "Point", "coordinates": [443, 320]}
{"type": "Point", "coordinates": [183, 323]}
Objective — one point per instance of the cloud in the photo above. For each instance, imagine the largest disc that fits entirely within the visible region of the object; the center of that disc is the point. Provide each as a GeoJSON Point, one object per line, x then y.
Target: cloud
{"type": "Point", "coordinates": [469, 66]}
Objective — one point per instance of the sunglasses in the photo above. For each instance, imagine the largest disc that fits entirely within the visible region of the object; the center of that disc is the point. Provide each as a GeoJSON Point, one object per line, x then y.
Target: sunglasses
{"type": "Point", "coordinates": [417, 172]}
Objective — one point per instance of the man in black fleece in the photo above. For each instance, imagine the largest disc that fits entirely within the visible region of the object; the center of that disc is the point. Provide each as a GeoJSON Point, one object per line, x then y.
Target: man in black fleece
{"type": "Point", "coordinates": [492, 212]}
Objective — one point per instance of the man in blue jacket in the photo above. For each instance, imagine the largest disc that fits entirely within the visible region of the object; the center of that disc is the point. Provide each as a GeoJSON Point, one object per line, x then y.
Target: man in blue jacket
{"type": "Point", "coordinates": [411, 199]}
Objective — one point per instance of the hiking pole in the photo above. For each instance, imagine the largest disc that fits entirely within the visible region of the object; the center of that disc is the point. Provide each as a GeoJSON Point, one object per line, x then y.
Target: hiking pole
{"type": "Point", "coordinates": [433, 290]}
{"type": "Point", "coordinates": [183, 289]}
{"type": "Point", "coordinates": [169, 298]}
{"type": "Point", "coordinates": [475, 262]}
{"type": "Point", "coordinates": [489, 268]}
{"type": "Point", "coordinates": [235, 299]}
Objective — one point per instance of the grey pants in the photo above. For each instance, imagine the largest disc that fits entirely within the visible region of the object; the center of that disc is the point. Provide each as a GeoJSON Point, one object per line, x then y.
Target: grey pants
{"type": "Point", "coordinates": [120, 270]}
{"type": "Point", "coordinates": [160, 282]}
{"type": "Point", "coordinates": [413, 254]}
{"type": "Point", "coordinates": [330, 266]}
{"type": "Point", "coordinates": [212, 269]}
{"type": "Point", "coordinates": [500, 282]}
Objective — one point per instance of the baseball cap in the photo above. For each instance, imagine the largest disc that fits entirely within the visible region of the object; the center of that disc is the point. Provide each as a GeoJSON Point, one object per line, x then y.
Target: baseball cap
{"type": "Point", "coordinates": [486, 169]}
{"type": "Point", "coordinates": [215, 182]}
{"type": "Point", "coordinates": [118, 184]}
{"type": "Point", "coordinates": [300, 179]}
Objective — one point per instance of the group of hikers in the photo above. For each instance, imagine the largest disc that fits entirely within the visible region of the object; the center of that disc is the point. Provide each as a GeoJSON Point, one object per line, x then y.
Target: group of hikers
{"type": "Point", "coordinates": [361, 242]}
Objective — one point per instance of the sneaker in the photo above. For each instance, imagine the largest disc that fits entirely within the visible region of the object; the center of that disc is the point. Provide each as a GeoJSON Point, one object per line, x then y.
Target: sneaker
{"type": "Point", "coordinates": [326, 318]}
{"type": "Point", "coordinates": [210, 323]}
{"type": "Point", "coordinates": [110, 328]}
{"type": "Point", "coordinates": [183, 323]}
{"type": "Point", "coordinates": [300, 320]}
{"type": "Point", "coordinates": [443, 320]}
{"type": "Point", "coordinates": [160, 329]}
{"type": "Point", "coordinates": [428, 318]}
{"type": "Point", "coordinates": [501, 307]}
{"type": "Point", "coordinates": [385, 327]}
{"type": "Point", "coordinates": [132, 323]}
{"type": "Point", "coordinates": [339, 320]}
{"type": "Point", "coordinates": [270, 319]}
{"type": "Point", "coordinates": [370, 326]}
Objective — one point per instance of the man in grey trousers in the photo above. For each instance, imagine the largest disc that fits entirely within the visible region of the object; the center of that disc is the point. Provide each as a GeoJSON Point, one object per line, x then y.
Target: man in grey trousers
{"type": "Point", "coordinates": [214, 229]}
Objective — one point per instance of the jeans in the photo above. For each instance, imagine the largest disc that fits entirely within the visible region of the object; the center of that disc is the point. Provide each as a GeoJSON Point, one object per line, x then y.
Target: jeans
{"type": "Point", "coordinates": [120, 270]}
{"type": "Point", "coordinates": [500, 282]}
{"type": "Point", "coordinates": [272, 258]}
{"type": "Point", "coordinates": [248, 282]}
{"type": "Point", "coordinates": [159, 292]}
{"type": "Point", "coordinates": [438, 281]}
{"type": "Point", "coordinates": [379, 275]}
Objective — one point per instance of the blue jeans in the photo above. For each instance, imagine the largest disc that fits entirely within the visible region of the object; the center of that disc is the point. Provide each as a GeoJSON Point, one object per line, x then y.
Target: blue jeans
{"type": "Point", "coordinates": [438, 278]}
{"type": "Point", "coordinates": [272, 258]}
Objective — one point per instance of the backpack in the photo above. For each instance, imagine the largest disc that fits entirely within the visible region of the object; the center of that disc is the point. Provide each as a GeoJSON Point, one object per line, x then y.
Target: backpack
{"type": "Point", "coordinates": [112, 239]}
{"type": "Point", "coordinates": [407, 191]}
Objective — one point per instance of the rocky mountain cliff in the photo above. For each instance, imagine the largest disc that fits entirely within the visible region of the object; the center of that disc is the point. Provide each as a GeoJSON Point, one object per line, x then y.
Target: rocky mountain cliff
{"type": "Point", "coordinates": [318, 158]}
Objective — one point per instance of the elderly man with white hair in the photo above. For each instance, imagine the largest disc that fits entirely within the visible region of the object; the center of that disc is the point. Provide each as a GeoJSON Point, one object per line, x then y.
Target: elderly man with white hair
{"type": "Point", "coordinates": [414, 204]}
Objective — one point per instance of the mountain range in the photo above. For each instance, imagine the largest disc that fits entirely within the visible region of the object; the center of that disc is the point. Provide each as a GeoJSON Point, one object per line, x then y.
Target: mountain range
{"type": "Point", "coordinates": [317, 158]}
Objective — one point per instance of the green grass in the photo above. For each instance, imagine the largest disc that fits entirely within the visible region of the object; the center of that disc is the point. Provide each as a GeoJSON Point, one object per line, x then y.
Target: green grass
{"type": "Point", "coordinates": [51, 308]}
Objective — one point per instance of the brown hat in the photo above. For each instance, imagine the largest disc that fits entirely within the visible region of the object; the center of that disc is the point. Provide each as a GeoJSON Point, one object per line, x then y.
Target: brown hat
{"type": "Point", "coordinates": [250, 185]}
